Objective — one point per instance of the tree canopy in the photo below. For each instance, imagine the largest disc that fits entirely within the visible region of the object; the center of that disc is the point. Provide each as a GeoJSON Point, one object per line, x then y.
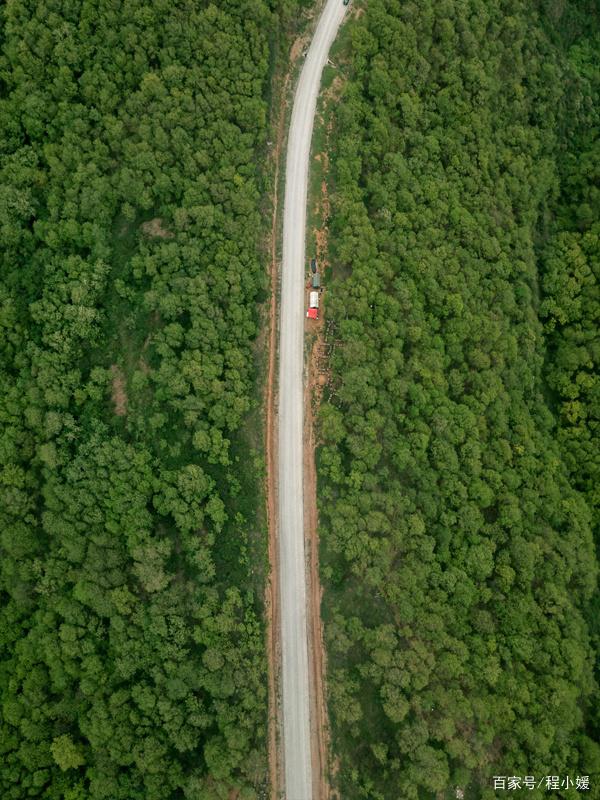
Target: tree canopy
{"type": "Point", "coordinates": [132, 659]}
{"type": "Point", "coordinates": [457, 499]}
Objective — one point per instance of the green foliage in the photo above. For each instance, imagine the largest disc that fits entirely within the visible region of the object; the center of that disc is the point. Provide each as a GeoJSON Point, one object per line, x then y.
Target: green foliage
{"type": "Point", "coordinates": [131, 664]}
{"type": "Point", "coordinates": [456, 542]}
{"type": "Point", "coordinates": [571, 304]}
{"type": "Point", "coordinates": [65, 753]}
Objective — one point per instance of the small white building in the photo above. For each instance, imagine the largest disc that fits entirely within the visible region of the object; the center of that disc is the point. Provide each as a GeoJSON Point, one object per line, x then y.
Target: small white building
{"type": "Point", "coordinates": [314, 300]}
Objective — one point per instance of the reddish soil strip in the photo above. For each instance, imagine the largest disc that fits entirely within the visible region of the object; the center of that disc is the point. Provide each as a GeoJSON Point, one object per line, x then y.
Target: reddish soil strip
{"type": "Point", "coordinates": [319, 718]}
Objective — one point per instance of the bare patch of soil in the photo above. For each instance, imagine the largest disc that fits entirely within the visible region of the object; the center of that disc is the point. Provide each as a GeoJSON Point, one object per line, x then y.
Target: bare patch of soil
{"type": "Point", "coordinates": [118, 393]}
{"type": "Point", "coordinates": [335, 91]}
{"type": "Point", "coordinates": [325, 204]}
{"type": "Point", "coordinates": [323, 209]}
{"type": "Point", "coordinates": [142, 363]}
{"type": "Point", "coordinates": [321, 243]}
{"type": "Point", "coordinates": [298, 48]}
{"type": "Point", "coordinates": [154, 228]}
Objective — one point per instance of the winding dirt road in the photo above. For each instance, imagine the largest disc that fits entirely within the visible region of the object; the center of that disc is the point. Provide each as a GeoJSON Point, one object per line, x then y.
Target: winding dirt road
{"type": "Point", "coordinates": [292, 567]}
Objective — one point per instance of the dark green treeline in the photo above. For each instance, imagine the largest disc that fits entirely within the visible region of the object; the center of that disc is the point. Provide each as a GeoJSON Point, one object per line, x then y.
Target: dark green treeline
{"type": "Point", "coordinates": [460, 459]}
{"type": "Point", "coordinates": [132, 661]}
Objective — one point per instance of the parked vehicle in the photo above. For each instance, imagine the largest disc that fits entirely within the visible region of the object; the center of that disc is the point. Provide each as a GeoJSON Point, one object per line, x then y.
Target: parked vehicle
{"type": "Point", "coordinates": [313, 306]}
{"type": "Point", "coordinates": [316, 281]}
{"type": "Point", "coordinates": [313, 265]}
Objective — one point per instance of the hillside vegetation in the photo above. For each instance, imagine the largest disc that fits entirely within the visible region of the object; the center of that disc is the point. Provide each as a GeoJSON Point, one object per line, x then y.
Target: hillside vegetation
{"type": "Point", "coordinates": [459, 466]}
{"type": "Point", "coordinates": [132, 659]}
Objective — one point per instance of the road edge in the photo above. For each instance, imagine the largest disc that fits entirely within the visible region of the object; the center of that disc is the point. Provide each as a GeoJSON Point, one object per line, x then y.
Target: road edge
{"type": "Point", "coordinates": [282, 102]}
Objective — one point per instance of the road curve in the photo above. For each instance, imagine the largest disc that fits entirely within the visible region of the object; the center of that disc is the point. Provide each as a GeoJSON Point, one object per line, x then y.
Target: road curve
{"type": "Point", "coordinates": [292, 571]}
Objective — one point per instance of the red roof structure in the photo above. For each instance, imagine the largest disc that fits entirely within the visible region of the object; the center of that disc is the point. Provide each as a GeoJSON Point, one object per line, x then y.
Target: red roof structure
{"type": "Point", "coordinates": [313, 313]}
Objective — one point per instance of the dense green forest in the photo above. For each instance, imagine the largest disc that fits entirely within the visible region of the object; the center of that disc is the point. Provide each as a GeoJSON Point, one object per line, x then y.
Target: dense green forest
{"type": "Point", "coordinates": [132, 659]}
{"type": "Point", "coordinates": [460, 462]}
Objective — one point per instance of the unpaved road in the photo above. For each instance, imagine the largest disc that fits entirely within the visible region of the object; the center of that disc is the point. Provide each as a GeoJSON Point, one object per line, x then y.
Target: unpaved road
{"type": "Point", "coordinates": [292, 570]}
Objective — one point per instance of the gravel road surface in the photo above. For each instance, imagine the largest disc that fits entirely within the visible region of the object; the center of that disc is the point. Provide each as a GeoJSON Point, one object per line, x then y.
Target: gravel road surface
{"type": "Point", "coordinates": [292, 570]}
